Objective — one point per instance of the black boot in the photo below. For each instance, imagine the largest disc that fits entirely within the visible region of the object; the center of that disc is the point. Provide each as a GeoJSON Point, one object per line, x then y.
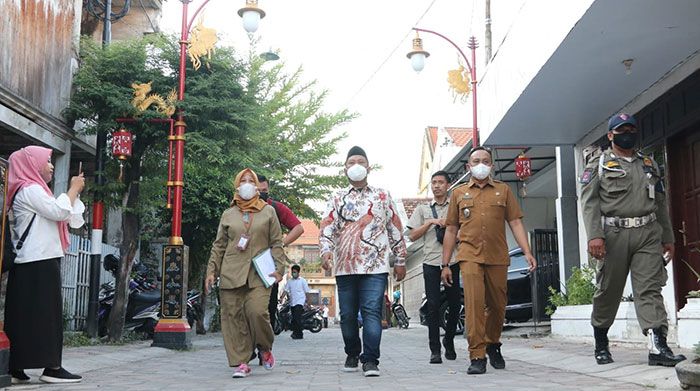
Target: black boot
{"type": "Point", "coordinates": [602, 351]}
{"type": "Point", "coordinates": [659, 352]}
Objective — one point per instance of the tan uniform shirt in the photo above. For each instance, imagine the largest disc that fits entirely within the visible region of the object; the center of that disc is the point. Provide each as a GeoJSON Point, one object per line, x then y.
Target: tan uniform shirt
{"type": "Point", "coordinates": [616, 187]}
{"type": "Point", "coordinates": [234, 266]}
{"type": "Point", "coordinates": [481, 214]}
{"type": "Point", "coordinates": [432, 249]}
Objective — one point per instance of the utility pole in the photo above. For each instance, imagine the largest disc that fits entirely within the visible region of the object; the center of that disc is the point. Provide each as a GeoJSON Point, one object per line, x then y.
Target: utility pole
{"type": "Point", "coordinates": [487, 34]}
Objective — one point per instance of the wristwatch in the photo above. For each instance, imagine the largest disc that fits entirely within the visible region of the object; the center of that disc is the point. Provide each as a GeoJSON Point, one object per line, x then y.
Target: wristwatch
{"type": "Point", "coordinates": [445, 266]}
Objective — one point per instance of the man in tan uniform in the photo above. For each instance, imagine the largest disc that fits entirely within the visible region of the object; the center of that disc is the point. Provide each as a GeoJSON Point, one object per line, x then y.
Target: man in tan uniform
{"type": "Point", "coordinates": [628, 226]}
{"type": "Point", "coordinates": [477, 212]}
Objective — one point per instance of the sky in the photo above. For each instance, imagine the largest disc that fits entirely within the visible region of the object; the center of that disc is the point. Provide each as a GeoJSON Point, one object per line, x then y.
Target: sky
{"type": "Point", "coordinates": [357, 51]}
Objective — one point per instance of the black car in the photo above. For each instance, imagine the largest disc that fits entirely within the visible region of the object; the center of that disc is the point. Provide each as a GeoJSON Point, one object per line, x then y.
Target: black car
{"type": "Point", "coordinates": [519, 306]}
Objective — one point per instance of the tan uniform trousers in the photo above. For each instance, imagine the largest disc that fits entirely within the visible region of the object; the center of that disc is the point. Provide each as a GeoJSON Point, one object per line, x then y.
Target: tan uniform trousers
{"type": "Point", "coordinates": [485, 298]}
{"type": "Point", "coordinates": [637, 251]}
{"type": "Point", "coordinates": [245, 322]}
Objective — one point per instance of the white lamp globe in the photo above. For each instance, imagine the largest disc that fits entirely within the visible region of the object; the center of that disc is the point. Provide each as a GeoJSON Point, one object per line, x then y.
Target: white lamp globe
{"type": "Point", "coordinates": [418, 61]}
{"type": "Point", "coordinates": [251, 20]}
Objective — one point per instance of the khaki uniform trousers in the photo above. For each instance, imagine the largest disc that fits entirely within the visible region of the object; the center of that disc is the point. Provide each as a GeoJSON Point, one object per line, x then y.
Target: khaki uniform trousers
{"type": "Point", "coordinates": [637, 251]}
{"type": "Point", "coordinates": [245, 322]}
{"type": "Point", "coordinates": [485, 298]}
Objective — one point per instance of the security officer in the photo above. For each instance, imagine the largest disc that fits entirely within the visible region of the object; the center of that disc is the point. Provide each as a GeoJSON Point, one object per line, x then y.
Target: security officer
{"type": "Point", "coordinates": [628, 226]}
{"type": "Point", "coordinates": [476, 215]}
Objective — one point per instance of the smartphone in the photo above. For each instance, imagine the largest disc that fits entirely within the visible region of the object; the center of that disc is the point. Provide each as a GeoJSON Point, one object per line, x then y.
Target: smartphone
{"type": "Point", "coordinates": [80, 168]}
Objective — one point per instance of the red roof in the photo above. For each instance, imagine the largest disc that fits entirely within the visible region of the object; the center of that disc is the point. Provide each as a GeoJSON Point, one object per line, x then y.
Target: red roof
{"type": "Point", "coordinates": [460, 136]}
{"type": "Point", "coordinates": [432, 136]}
{"type": "Point", "coordinates": [310, 235]}
{"type": "Point", "coordinates": [410, 204]}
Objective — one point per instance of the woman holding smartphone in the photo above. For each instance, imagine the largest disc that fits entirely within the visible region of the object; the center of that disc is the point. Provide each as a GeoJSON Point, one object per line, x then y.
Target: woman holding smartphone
{"type": "Point", "coordinates": [34, 306]}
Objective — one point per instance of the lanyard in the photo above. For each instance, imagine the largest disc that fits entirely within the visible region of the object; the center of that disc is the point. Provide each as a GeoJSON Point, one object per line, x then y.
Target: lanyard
{"type": "Point", "coordinates": [248, 220]}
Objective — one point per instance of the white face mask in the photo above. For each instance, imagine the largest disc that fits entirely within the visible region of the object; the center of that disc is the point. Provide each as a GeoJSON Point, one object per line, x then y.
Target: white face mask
{"type": "Point", "coordinates": [247, 191]}
{"type": "Point", "coordinates": [480, 171]}
{"type": "Point", "coordinates": [357, 173]}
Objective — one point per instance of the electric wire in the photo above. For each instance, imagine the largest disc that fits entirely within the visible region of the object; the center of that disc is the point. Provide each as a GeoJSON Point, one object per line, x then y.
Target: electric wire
{"type": "Point", "coordinates": [388, 57]}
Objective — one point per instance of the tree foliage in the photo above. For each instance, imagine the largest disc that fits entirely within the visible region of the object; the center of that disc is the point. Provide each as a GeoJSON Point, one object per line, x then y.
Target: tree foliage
{"type": "Point", "coordinates": [239, 112]}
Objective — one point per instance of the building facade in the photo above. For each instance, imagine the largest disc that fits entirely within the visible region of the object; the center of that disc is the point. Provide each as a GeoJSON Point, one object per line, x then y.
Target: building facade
{"type": "Point", "coordinates": [554, 86]}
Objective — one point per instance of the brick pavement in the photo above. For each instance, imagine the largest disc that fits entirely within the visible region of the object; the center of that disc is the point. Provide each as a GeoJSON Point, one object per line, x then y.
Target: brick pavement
{"type": "Point", "coordinates": [542, 363]}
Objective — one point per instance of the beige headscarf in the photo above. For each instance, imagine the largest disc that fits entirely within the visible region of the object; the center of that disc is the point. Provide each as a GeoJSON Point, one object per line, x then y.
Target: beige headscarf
{"type": "Point", "coordinates": [252, 205]}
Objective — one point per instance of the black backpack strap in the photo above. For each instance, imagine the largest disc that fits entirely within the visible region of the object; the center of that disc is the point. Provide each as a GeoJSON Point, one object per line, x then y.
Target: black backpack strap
{"type": "Point", "coordinates": [20, 243]}
{"type": "Point", "coordinates": [432, 207]}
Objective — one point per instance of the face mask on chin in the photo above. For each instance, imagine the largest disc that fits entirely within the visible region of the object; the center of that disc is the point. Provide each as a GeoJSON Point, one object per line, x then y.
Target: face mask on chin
{"type": "Point", "coordinates": [264, 195]}
{"type": "Point", "coordinates": [357, 173]}
{"type": "Point", "coordinates": [480, 171]}
{"type": "Point", "coordinates": [247, 191]}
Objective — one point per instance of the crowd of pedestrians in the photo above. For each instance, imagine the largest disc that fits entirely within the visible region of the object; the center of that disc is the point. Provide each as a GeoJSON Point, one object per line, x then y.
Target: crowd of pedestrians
{"type": "Point", "coordinates": [361, 240]}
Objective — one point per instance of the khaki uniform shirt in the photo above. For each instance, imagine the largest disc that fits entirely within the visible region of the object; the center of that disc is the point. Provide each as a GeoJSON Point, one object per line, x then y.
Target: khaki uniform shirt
{"type": "Point", "coordinates": [233, 266]}
{"type": "Point", "coordinates": [481, 214]}
{"type": "Point", "coordinates": [432, 249]}
{"type": "Point", "coordinates": [616, 187]}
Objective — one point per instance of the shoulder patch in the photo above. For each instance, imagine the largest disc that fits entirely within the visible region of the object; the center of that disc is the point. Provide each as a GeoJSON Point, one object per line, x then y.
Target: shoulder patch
{"type": "Point", "coordinates": [612, 164]}
{"type": "Point", "coordinates": [587, 176]}
{"type": "Point", "coordinates": [648, 162]}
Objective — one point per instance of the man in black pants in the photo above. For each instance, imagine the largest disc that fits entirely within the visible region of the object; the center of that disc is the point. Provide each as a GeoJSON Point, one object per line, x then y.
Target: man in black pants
{"type": "Point", "coordinates": [428, 223]}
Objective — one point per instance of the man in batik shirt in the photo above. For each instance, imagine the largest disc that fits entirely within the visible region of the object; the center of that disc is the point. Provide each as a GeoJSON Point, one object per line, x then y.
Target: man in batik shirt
{"type": "Point", "coordinates": [360, 230]}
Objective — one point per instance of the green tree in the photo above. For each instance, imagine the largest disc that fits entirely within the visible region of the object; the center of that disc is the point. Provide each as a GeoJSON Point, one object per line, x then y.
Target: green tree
{"type": "Point", "coordinates": [239, 114]}
{"type": "Point", "coordinates": [288, 139]}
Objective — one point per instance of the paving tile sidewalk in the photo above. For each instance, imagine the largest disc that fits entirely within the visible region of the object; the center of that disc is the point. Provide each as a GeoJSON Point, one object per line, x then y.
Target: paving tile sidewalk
{"type": "Point", "coordinates": [314, 363]}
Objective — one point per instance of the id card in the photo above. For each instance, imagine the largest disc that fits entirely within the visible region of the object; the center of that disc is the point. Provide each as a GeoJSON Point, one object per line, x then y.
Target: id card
{"type": "Point", "coordinates": [243, 242]}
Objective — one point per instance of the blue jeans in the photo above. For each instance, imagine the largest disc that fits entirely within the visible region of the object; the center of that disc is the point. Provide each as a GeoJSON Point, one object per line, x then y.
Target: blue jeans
{"type": "Point", "coordinates": [362, 293]}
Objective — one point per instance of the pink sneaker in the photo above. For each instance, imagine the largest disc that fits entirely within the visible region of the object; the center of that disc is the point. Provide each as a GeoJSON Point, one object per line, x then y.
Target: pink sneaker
{"type": "Point", "coordinates": [242, 370]}
{"type": "Point", "coordinates": [268, 360]}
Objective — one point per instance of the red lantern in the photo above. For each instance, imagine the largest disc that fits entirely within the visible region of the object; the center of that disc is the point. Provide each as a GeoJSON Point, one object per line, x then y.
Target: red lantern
{"type": "Point", "coordinates": [121, 144]}
{"type": "Point", "coordinates": [523, 167]}
{"type": "Point", "coordinates": [121, 148]}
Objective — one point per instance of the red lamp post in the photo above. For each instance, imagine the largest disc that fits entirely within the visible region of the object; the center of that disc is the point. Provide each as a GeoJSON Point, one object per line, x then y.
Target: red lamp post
{"type": "Point", "coordinates": [172, 330]}
{"type": "Point", "coordinates": [418, 56]}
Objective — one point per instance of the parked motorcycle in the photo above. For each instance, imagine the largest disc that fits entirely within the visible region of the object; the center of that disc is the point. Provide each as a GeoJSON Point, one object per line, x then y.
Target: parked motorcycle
{"type": "Point", "coordinates": [443, 312]}
{"type": "Point", "coordinates": [399, 311]}
{"type": "Point", "coordinates": [143, 307]}
{"type": "Point", "coordinates": [194, 308]}
{"type": "Point", "coordinates": [311, 319]}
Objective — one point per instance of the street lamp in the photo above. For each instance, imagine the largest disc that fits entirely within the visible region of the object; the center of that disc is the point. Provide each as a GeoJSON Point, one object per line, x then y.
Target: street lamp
{"type": "Point", "coordinates": [172, 330]}
{"type": "Point", "coordinates": [417, 56]}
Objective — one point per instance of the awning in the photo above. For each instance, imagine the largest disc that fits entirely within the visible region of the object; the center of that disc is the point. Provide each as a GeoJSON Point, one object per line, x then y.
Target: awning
{"type": "Point", "coordinates": [585, 81]}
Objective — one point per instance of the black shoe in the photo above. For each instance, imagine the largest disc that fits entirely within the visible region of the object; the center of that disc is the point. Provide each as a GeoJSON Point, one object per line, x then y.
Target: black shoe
{"type": "Point", "coordinates": [297, 336]}
{"type": "Point", "coordinates": [59, 375]}
{"type": "Point", "coordinates": [602, 352]}
{"type": "Point", "coordinates": [495, 356]}
{"type": "Point", "coordinates": [351, 363]}
{"type": "Point", "coordinates": [19, 377]}
{"type": "Point", "coordinates": [660, 353]}
{"type": "Point", "coordinates": [603, 356]}
{"type": "Point", "coordinates": [477, 367]}
{"type": "Point", "coordinates": [370, 369]}
{"type": "Point", "coordinates": [450, 353]}
{"type": "Point", "coordinates": [435, 358]}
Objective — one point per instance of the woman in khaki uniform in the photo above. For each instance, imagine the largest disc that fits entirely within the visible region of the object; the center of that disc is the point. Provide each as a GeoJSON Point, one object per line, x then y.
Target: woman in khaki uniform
{"type": "Point", "coordinates": [247, 228]}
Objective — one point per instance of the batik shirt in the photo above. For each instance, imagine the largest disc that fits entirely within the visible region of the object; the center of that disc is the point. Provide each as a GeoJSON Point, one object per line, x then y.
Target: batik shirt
{"type": "Point", "coordinates": [362, 229]}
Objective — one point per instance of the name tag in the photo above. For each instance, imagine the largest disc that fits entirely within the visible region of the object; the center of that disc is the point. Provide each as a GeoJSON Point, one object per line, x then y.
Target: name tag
{"type": "Point", "coordinates": [243, 242]}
